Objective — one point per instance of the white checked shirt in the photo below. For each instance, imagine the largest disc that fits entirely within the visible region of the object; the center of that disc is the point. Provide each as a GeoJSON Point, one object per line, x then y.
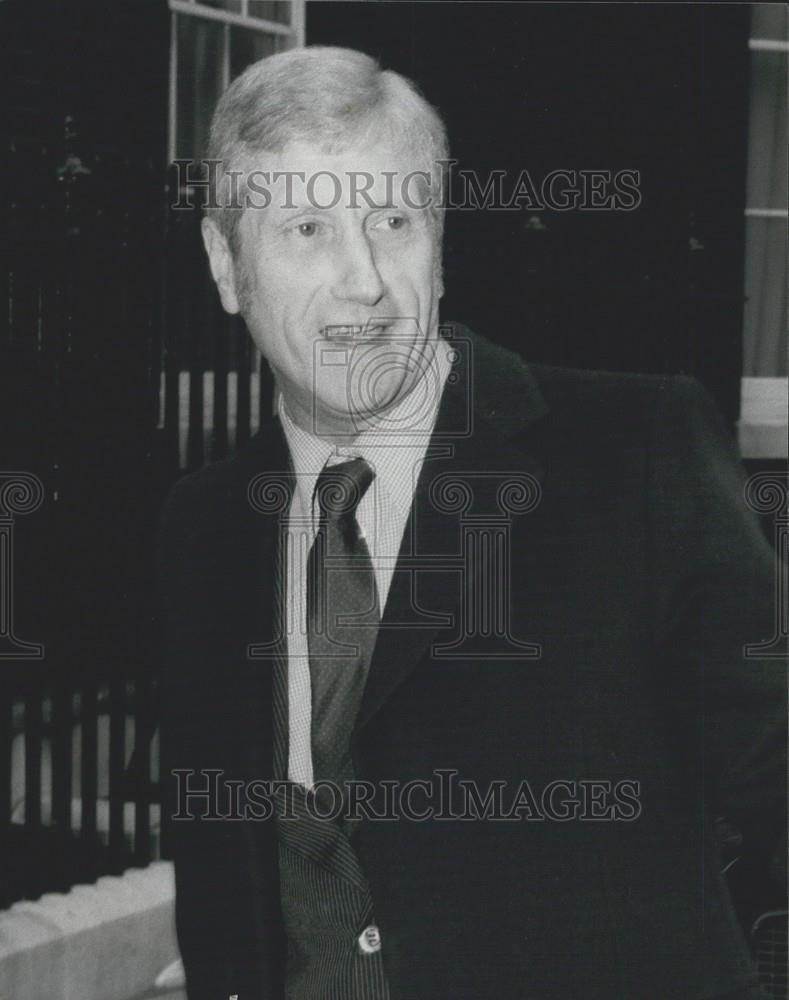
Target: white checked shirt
{"type": "Point", "coordinates": [396, 458]}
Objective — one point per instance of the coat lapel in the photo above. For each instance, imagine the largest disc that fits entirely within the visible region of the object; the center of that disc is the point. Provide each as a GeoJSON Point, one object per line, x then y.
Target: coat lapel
{"type": "Point", "coordinates": [488, 404]}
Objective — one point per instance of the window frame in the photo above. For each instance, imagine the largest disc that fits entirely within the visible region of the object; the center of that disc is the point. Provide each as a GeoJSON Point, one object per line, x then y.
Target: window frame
{"type": "Point", "coordinates": [292, 33]}
{"type": "Point", "coordinates": [763, 427]}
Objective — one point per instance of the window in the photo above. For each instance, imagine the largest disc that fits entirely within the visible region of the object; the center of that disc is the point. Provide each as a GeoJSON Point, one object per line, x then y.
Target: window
{"type": "Point", "coordinates": [212, 42]}
{"type": "Point", "coordinates": [212, 384]}
{"type": "Point", "coordinates": [763, 422]}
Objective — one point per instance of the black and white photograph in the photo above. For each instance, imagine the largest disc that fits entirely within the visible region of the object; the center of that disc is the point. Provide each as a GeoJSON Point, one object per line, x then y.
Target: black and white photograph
{"type": "Point", "coordinates": [394, 500]}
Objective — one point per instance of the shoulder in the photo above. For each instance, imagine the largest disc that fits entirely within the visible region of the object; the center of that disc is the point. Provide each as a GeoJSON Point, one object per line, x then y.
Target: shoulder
{"type": "Point", "coordinates": [212, 502]}
{"type": "Point", "coordinates": [594, 416]}
{"type": "Point", "coordinates": [505, 379]}
{"type": "Point", "coordinates": [198, 495]}
{"type": "Point", "coordinates": [667, 424]}
{"type": "Point", "coordinates": [220, 485]}
{"type": "Point", "coordinates": [646, 413]}
{"type": "Point", "coordinates": [620, 395]}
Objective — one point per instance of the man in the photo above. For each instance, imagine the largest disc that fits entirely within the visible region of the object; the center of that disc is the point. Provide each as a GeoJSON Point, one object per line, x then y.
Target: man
{"type": "Point", "coordinates": [455, 685]}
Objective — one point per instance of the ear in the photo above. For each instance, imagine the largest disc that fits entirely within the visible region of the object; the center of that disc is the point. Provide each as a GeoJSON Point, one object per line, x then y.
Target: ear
{"type": "Point", "coordinates": [221, 262]}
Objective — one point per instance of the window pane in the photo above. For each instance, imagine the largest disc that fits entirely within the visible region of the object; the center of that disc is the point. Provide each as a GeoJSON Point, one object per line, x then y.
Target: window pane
{"type": "Point", "coordinates": [767, 173]}
{"type": "Point", "coordinates": [248, 46]}
{"type": "Point", "coordinates": [764, 345]}
{"type": "Point", "coordinates": [199, 83]}
{"type": "Point", "coordinates": [764, 337]}
{"type": "Point", "coordinates": [234, 6]}
{"type": "Point", "coordinates": [770, 20]}
{"type": "Point", "coordinates": [271, 10]}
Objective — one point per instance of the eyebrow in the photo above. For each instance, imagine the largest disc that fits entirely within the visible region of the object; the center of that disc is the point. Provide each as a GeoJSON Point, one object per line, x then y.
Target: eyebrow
{"type": "Point", "coordinates": [284, 215]}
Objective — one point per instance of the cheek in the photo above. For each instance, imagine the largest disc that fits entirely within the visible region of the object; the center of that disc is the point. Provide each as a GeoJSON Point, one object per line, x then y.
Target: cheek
{"type": "Point", "coordinates": [289, 287]}
{"type": "Point", "coordinates": [412, 273]}
{"type": "Point", "coordinates": [428, 282]}
{"type": "Point", "coordinates": [273, 300]}
{"type": "Point", "coordinates": [426, 266]}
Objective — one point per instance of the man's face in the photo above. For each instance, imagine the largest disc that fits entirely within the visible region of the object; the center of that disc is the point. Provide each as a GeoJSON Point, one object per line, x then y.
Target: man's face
{"type": "Point", "coordinates": [342, 264]}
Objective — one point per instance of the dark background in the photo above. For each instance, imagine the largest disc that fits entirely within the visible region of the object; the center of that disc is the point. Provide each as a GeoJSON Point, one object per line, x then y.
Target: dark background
{"type": "Point", "coordinates": [657, 88]}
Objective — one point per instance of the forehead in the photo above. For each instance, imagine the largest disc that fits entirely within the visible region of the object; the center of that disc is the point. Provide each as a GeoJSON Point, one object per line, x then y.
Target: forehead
{"type": "Point", "coordinates": [365, 174]}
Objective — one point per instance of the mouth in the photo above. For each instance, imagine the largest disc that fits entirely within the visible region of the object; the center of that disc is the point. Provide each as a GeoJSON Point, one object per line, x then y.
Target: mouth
{"type": "Point", "coordinates": [372, 328]}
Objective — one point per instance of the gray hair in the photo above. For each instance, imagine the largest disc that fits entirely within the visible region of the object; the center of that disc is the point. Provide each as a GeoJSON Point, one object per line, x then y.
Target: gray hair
{"type": "Point", "coordinates": [331, 97]}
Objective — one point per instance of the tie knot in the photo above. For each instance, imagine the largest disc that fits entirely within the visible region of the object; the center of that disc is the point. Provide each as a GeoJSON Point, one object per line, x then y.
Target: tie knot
{"type": "Point", "coordinates": [340, 487]}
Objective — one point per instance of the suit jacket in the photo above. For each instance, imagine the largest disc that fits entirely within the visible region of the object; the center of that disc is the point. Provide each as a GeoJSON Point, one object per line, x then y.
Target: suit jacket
{"type": "Point", "coordinates": [633, 576]}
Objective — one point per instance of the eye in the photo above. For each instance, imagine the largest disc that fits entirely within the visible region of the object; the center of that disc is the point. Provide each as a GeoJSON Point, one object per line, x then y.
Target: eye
{"type": "Point", "coordinates": [307, 228]}
{"type": "Point", "coordinates": [390, 223]}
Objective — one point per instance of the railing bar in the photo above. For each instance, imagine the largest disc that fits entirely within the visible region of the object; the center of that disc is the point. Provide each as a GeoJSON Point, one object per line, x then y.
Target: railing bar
{"type": "Point", "coordinates": [194, 449]}
{"type": "Point", "coordinates": [61, 744]}
{"type": "Point", "coordinates": [89, 762]}
{"type": "Point", "coordinates": [33, 736]}
{"type": "Point", "coordinates": [142, 756]}
{"type": "Point", "coordinates": [197, 346]}
{"type": "Point", "coordinates": [117, 754]}
{"type": "Point", "coordinates": [6, 746]}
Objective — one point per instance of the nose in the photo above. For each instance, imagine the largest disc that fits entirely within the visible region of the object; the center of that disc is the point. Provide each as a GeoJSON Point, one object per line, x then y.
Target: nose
{"type": "Point", "coordinates": [358, 278]}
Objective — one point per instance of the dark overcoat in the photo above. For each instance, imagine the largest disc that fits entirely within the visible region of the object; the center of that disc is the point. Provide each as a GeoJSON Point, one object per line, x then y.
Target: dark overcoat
{"type": "Point", "coordinates": [559, 685]}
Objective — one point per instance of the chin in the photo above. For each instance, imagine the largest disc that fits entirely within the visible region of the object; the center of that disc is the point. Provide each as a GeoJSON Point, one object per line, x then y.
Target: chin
{"type": "Point", "coordinates": [383, 398]}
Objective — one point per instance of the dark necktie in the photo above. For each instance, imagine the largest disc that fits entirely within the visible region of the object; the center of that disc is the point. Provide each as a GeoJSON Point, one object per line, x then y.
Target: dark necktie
{"type": "Point", "coordinates": [342, 617]}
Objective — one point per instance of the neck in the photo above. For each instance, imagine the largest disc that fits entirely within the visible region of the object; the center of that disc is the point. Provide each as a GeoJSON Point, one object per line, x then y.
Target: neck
{"type": "Point", "coordinates": [333, 429]}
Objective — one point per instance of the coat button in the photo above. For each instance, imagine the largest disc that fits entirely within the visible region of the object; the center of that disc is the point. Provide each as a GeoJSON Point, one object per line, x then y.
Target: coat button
{"type": "Point", "coordinates": [370, 940]}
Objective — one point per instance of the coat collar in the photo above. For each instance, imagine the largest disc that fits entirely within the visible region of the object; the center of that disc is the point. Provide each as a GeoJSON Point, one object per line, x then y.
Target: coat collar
{"type": "Point", "coordinates": [506, 396]}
